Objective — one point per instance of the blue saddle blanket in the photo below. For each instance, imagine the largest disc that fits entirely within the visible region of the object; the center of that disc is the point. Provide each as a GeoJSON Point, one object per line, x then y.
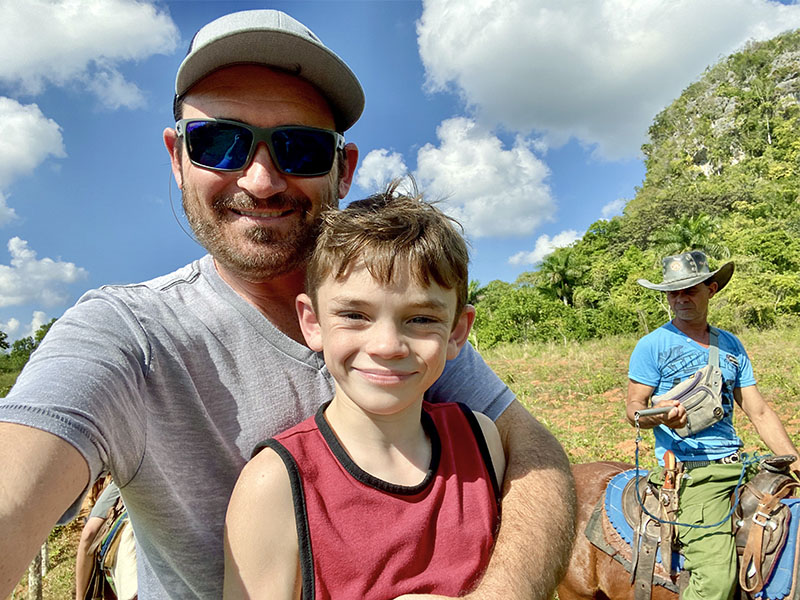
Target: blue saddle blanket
{"type": "Point", "coordinates": [780, 582]}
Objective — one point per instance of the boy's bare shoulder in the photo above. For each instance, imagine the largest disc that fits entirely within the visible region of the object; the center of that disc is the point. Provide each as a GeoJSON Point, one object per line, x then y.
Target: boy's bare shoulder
{"type": "Point", "coordinates": [494, 443]}
{"type": "Point", "coordinates": [264, 474]}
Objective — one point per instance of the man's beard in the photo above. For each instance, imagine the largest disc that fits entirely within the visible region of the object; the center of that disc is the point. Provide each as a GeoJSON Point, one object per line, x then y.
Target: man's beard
{"type": "Point", "coordinates": [261, 253]}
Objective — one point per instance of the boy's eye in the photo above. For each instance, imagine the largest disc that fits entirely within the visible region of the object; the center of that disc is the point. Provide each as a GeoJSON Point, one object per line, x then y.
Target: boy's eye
{"type": "Point", "coordinates": [352, 316]}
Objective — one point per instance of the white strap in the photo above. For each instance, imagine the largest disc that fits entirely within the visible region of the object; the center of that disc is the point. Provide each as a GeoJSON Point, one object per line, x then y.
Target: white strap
{"type": "Point", "coordinates": [713, 346]}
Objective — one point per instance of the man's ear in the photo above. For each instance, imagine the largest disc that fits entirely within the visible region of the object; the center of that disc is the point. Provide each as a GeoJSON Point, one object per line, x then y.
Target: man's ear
{"type": "Point", "coordinates": [172, 142]}
{"type": "Point", "coordinates": [348, 168]}
{"type": "Point", "coordinates": [713, 288]}
{"type": "Point", "coordinates": [460, 333]}
{"type": "Point", "coordinates": [309, 324]}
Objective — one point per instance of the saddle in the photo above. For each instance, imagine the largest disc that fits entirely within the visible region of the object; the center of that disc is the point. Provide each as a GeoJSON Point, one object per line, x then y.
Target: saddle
{"type": "Point", "coordinates": [762, 522]}
{"type": "Point", "coordinates": [103, 550]}
{"type": "Point", "coordinates": [766, 543]}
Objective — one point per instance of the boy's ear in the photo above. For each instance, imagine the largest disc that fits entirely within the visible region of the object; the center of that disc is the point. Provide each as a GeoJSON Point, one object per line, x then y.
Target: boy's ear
{"type": "Point", "coordinates": [309, 324]}
{"type": "Point", "coordinates": [460, 333]}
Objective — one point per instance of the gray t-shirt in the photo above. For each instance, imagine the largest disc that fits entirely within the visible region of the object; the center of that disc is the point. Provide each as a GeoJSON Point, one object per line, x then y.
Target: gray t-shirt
{"type": "Point", "coordinates": [168, 385]}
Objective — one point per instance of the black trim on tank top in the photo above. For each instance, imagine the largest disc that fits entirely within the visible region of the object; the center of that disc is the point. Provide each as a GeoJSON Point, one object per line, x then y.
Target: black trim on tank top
{"type": "Point", "coordinates": [306, 552]}
{"type": "Point", "coordinates": [484, 450]}
{"type": "Point", "coordinates": [362, 476]}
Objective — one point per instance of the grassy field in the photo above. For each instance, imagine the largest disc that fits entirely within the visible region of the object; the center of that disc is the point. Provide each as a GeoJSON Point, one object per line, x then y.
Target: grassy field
{"type": "Point", "coordinates": [578, 392]}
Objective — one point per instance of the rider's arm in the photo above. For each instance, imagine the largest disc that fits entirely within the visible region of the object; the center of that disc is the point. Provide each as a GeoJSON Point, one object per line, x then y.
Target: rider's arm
{"type": "Point", "coordinates": [638, 399]}
{"type": "Point", "coordinates": [766, 421]}
{"type": "Point", "coordinates": [41, 477]}
{"type": "Point", "coordinates": [83, 560]}
{"type": "Point", "coordinates": [261, 550]}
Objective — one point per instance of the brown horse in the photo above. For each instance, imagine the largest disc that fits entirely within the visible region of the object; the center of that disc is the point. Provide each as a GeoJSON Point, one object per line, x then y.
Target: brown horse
{"type": "Point", "coordinates": [592, 573]}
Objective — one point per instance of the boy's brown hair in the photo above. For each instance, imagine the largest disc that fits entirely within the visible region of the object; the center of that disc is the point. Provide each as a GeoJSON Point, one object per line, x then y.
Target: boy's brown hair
{"type": "Point", "coordinates": [391, 230]}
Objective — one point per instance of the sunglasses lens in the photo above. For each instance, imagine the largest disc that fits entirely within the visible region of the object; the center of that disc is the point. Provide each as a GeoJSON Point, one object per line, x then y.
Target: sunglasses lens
{"type": "Point", "coordinates": [300, 151]}
{"type": "Point", "coordinates": [218, 145]}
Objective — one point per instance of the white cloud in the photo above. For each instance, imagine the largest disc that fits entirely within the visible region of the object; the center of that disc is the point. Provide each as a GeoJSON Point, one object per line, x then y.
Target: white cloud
{"type": "Point", "coordinates": [11, 327]}
{"type": "Point", "coordinates": [27, 138]}
{"type": "Point", "coordinates": [38, 318]}
{"type": "Point", "coordinates": [596, 70]}
{"type": "Point", "coordinates": [493, 191]}
{"type": "Point", "coordinates": [378, 168]}
{"type": "Point", "coordinates": [14, 328]}
{"type": "Point", "coordinates": [114, 91]}
{"type": "Point", "coordinates": [7, 214]}
{"type": "Point", "coordinates": [31, 280]}
{"type": "Point", "coordinates": [545, 245]}
{"type": "Point", "coordinates": [613, 208]}
{"type": "Point", "coordinates": [81, 41]}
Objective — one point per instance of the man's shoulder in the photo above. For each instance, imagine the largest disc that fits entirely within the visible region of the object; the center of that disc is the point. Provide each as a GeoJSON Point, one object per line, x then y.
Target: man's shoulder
{"type": "Point", "coordinates": [186, 275]}
{"type": "Point", "coordinates": [729, 341]}
{"type": "Point", "coordinates": [724, 333]}
{"type": "Point", "coordinates": [179, 285]}
{"type": "Point", "coordinates": [666, 332]}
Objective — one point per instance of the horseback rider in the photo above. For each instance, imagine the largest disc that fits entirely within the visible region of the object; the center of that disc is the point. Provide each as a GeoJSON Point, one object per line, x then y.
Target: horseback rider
{"type": "Point", "coordinates": [99, 557]}
{"type": "Point", "coordinates": [699, 371]}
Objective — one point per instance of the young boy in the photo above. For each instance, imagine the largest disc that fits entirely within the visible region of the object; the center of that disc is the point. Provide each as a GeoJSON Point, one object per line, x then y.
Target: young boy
{"type": "Point", "coordinates": [380, 494]}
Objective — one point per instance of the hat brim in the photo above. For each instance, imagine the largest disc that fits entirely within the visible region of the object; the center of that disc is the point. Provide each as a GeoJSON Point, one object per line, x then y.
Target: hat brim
{"type": "Point", "coordinates": [722, 276]}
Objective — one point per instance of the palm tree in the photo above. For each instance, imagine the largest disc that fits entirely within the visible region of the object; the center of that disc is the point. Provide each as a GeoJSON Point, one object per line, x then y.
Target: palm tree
{"type": "Point", "coordinates": [475, 292]}
{"type": "Point", "coordinates": [691, 233]}
{"type": "Point", "coordinates": [560, 272]}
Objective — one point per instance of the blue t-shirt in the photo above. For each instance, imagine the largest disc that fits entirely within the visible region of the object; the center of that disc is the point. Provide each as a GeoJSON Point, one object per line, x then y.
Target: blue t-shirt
{"type": "Point", "coordinates": [664, 358]}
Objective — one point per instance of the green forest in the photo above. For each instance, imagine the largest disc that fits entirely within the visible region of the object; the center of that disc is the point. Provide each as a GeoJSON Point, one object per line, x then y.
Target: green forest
{"type": "Point", "coordinates": [14, 356]}
{"type": "Point", "coordinates": [722, 166]}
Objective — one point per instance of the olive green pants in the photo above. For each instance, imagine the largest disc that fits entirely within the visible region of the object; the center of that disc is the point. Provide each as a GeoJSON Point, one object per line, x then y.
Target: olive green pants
{"type": "Point", "coordinates": [709, 553]}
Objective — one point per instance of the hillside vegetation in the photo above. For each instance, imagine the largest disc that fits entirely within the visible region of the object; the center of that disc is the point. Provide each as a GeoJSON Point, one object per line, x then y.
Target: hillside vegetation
{"type": "Point", "coordinates": [722, 175]}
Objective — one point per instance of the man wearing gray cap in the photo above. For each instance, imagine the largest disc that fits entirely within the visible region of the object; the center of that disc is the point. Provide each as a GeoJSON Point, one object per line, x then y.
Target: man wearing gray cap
{"type": "Point", "coordinates": [697, 372]}
{"type": "Point", "coordinates": [169, 384]}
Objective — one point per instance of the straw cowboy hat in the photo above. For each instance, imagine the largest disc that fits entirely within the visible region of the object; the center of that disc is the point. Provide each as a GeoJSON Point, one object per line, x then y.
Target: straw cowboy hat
{"type": "Point", "coordinates": [683, 271]}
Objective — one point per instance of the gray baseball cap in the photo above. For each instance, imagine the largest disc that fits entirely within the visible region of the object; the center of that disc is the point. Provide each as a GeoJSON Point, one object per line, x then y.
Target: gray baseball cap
{"type": "Point", "coordinates": [683, 271]}
{"type": "Point", "coordinates": [273, 39]}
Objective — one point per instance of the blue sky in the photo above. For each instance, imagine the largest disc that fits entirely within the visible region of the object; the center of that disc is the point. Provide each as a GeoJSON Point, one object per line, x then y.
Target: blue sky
{"type": "Point", "coordinates": [525, 116]}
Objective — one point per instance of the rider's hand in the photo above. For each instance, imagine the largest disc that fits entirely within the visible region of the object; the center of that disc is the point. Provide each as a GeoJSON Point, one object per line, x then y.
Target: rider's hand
{"type": "Point", "coordinates": [675, 418]}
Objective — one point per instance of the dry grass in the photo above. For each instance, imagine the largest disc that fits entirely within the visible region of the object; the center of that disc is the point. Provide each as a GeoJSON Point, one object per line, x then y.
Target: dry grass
{"type": "Point", "coordinates": [578, 390]}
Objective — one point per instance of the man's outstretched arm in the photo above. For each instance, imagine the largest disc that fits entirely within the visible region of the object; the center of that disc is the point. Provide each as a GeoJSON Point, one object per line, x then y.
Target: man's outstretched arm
{"type": "Point", "coordinates": [41, 477]}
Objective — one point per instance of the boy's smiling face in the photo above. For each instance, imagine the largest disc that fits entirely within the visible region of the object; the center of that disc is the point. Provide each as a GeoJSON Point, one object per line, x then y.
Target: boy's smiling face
{"type": "Point", "coordinates": [384, 344]}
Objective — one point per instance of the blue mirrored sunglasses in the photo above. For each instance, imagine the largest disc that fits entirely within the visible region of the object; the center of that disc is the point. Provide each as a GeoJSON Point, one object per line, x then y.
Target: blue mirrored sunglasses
{"type": "Point", "coordinates": [222, 145]}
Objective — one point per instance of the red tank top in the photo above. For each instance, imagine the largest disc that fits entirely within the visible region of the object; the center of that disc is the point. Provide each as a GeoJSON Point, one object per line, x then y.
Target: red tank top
{"type": "Point", "coordinates": [363, 538]}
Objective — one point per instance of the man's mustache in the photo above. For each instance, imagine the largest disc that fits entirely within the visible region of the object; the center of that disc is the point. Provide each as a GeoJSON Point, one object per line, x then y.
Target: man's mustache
{"type": "Point", "coordinates": [244, 201]}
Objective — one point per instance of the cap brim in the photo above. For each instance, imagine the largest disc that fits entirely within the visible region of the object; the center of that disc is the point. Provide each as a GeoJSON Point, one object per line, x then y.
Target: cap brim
{"type": "Point", "coordinates": [282, 50]}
